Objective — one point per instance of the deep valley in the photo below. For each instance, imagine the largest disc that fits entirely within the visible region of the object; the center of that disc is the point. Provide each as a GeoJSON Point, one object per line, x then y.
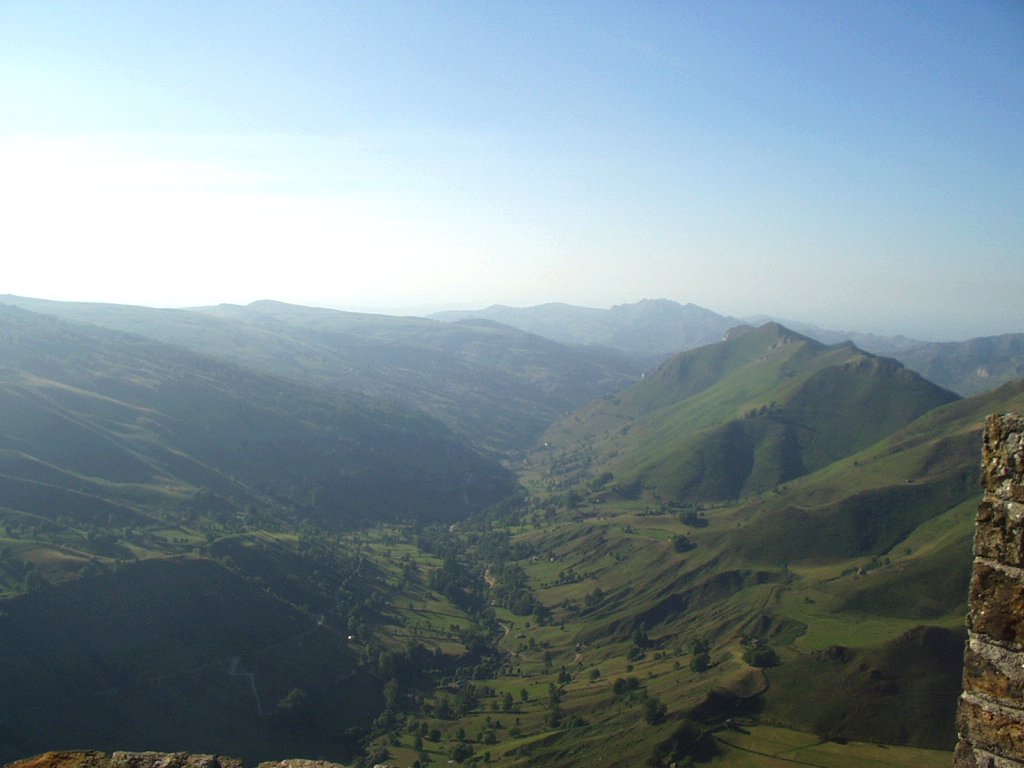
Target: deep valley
{"type": "Point", "coordinates": [276, 531]}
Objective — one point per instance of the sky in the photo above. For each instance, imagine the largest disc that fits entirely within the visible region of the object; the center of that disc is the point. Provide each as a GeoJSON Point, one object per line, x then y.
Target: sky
{"type": "Point", "coordinates": [857, 165]}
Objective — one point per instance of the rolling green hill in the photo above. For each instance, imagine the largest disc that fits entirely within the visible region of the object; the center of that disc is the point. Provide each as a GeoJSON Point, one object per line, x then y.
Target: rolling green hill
{"type": "Point", "coordinates": [175, 560]}
{"type": "Point", "coordinates": [738, 417]}
{"type": "Point", "coordinates": [493, 385]}
{"type": "Point", "coordinates": [658, 328]}
{"type": "Point", "coordinates": [197, 553]}
{"type": "Point", "coordinates": [868, 502]}
{"type": "Point", "coordinates": [833, 606]}
{"type": "Point", "coordinates": [105, 428]}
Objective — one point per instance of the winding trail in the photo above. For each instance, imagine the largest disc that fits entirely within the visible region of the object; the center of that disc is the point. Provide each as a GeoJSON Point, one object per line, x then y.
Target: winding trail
{"type": "Point", "coordinates": [233, 672]}
{"type": "Point", "coordinates": [793, 760]}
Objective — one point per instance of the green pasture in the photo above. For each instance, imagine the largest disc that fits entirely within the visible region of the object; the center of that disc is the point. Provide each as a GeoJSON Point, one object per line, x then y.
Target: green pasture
{"type": "Point", "coordinates": [760, 746]}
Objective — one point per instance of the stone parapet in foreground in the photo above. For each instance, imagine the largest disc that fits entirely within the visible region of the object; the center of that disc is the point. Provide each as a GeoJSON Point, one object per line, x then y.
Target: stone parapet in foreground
{"type": "Point", "coordinates": [92, 759]}
{"type": "Point", "coordinates": [990, 719]}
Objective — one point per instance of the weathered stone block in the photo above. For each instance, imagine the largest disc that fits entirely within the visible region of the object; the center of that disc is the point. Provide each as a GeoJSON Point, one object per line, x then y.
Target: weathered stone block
{"type": "Point", "coordinates": [999, 531]}
{"type": "Point", "coordinates": [171, 760]}
{"type": "Point", "coordinates": [994, 672]}
{"type": "Point", "coordinates": [991, 727]}
{"type": "Point", "coordinates": [92, 759]}
{"type": "Point", "coordinates": [996, 608]}
{"type": "Point", "coordinates": [967, 756]}
{"type": "Point", "coordinates": [1003, 457]}
{"type": "Point", "coordinates": [85, 758]}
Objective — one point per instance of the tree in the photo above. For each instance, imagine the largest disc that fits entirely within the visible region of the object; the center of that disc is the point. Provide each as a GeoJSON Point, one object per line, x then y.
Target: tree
{"type": "Point", "coordinates": [295, 711]}
{"type": "Point", "coordinates": [625, 685]}
{"type": "Point", "coordinates": [760, 655]}
{"type": "Point", "coordinates": [391, 692]}
{"type": "Point", "coordinates": [681, 543]}
{"type": "Point", "coordinates": [654, 710]}
{"type": "Point", "coordinates": [461, 752]}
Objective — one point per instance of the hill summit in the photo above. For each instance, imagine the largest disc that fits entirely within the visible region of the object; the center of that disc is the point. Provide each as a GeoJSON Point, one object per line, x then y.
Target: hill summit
{"type": "Point", "coordinates": [741, 416]}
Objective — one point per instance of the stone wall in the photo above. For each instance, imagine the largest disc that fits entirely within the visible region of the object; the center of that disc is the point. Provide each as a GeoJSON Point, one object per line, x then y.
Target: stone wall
{"type": "Point", "coordinates": [93, 759]}
{"type": "Point", "coordinates": [990, 720]}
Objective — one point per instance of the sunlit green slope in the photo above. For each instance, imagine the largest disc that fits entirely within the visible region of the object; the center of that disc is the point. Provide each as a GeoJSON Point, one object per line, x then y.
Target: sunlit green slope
{"type": "Point", "coordinates": [739, 417]}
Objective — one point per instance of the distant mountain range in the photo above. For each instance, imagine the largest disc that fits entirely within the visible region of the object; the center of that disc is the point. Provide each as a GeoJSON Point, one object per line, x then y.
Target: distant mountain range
{"type": "Point", "coordinates": [493, 385]}
{"type": "Point", "coordinates": [651, 328]}
{"type": "Point", "coordinates": [655, 329]}
{"type": "Point", "coordinates": [101, 425]}
{"type": "Point", "coordinates": [432, 363]}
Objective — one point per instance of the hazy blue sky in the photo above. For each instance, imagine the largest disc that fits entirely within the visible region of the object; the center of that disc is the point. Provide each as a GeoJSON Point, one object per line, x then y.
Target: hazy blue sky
{"type": "Point", "coordinates": [855, 164]}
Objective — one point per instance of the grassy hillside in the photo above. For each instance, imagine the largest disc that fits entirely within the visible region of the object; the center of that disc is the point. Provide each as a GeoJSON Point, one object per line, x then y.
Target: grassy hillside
{"type": "Point", "coordinates": [739, 417]}
{"type": "Point", "coordinates": [167, 653]}
{"type": "Point", "coordinates": [112, 444]}
{"type": "Point", "coordinates": [639, 649]}
{"type": "Point", "coordinates": [192, 556]}
{"type": "Point", "coordinates": [833, 606]}
{"type": "Point", "coordinates": [494, 386]}
{"type": "Point", "coordinates": [262, 645]}
{"type": "Point", "coordinates": [869, 502]}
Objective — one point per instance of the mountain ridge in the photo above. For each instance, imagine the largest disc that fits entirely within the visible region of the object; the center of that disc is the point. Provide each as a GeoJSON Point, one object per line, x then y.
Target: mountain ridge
{"type": "Point", "coordinates": [770, 400]}
{"type": "Point", "coordinates": [146, 419]}
{"type": "Point", "coordinates": [495, 386]}
{"type": "Point", "coordinates": [820, 522]}
{"type": "Point", "coordinates": [966, 367]}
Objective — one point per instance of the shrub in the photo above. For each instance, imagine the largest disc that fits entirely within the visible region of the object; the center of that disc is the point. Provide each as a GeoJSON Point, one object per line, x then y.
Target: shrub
{"type": "Point", "coordinates": [761, 656]}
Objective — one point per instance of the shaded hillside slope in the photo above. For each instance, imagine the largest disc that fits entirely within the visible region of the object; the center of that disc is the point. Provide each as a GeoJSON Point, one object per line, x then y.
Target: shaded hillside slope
{"type": "Point", "coordinates": [99, 424]}
{"type": "Point", "coordinates": [917, 672]}
{"type": "Point", "coordinates": [172, 654]}
{"type": "Point", "coordinates": [738, 417]}
{"type": "Point", "coordinates": [871, 501]}
{"type": "Point", "coordinates": [493, 385]}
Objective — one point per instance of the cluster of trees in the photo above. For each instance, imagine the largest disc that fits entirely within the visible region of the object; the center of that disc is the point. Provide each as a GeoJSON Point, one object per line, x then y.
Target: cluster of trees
{"type": "Point", "coordinates": [758, 653]}
{"type": "Point", "coordinates": [701, 650]}
{"type": "Point", "coordinates": [682, 543]}
{"type": "Point", "coordinates": [652, 708]}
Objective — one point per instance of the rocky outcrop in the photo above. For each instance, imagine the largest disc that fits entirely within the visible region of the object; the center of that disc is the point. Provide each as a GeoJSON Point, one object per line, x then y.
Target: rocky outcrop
{"type": "Point", "coordinates": [990, 720]}
{"type": "Point", "coordinates": [91, 759]}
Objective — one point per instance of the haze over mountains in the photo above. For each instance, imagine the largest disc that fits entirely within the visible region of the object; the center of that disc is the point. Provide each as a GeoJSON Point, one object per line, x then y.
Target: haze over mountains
{"type": "Point", "coordinates": [492, 384]}
{"type": "Point", "coordinates": [658, 328]}
{"type": "Point", "coordinates": [268, 529]}
{"type": "Point", "coordinates": [154, 423]}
